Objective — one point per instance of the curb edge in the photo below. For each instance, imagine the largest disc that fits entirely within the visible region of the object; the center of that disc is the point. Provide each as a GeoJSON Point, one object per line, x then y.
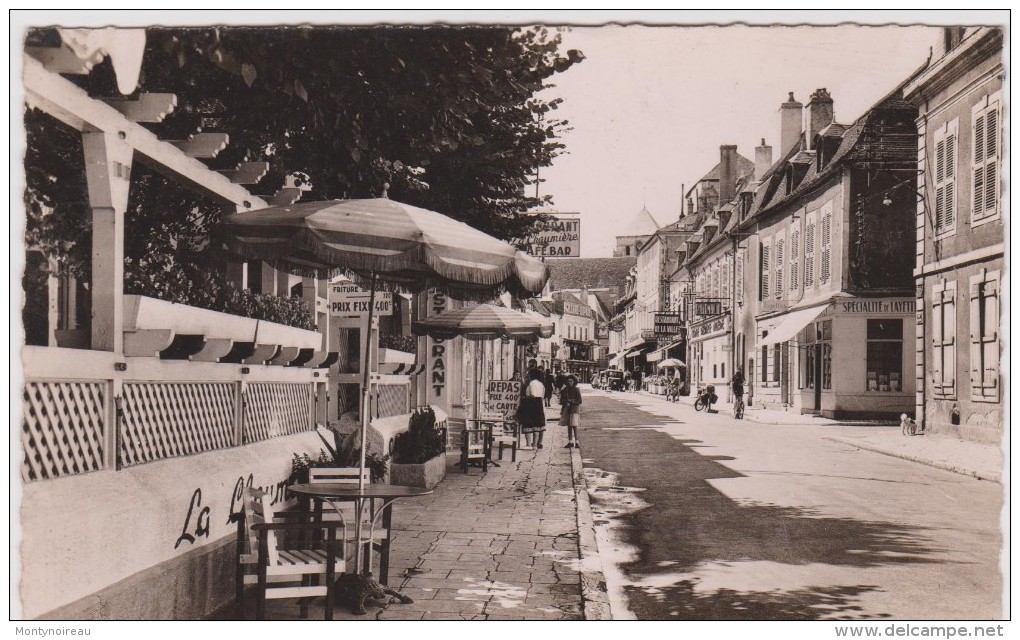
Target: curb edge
{"type": "Point", "coordinates": [945, 466]}
{"type": "Point", "coordinates": [594, 593]}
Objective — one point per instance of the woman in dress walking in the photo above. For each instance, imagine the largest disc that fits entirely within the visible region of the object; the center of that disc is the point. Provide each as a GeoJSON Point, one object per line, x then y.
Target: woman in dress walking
{"type": "Point", "coordinates": [570, 410]}
{"type": "Point", "coordinates": [531, 412]}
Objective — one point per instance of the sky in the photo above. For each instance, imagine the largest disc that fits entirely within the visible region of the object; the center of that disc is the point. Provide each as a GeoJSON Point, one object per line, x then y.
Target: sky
{"type": "Point", "coordinates": [650, 106]}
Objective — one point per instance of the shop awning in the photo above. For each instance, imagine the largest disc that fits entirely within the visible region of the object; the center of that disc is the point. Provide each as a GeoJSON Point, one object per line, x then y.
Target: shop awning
{"type": "Point", "coordinates": [655, 356]}
{"type": "Point", "coordinates": [617, 361]}
{"type": "Point", "coordinates": [791, 324]}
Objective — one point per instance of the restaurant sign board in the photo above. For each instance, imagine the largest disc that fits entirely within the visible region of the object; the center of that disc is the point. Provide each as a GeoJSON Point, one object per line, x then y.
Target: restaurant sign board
{"type": "Point", "coordinates": [558, 236]}
{"type": "Point", "coordinates": [504, 396]}
{"type": "Point", "coordinates": [668, 325]}
{"type": "Point", "coordinates": [349, 300]}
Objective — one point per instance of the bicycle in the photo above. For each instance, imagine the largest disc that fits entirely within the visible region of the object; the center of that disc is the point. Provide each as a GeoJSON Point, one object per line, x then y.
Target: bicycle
{"type": "Point", "coordinates": [706, 397]}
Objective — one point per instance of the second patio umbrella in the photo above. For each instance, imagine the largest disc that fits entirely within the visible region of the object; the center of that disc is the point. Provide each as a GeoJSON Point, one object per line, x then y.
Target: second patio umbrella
{"type": "Point", "coordinates": [383, 240]}
{"type": "Point", "coordinates": [482, 322]}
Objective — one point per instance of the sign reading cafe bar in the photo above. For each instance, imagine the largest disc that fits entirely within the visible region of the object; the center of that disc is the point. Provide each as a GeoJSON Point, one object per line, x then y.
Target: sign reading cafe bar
{"type": "Point", "coordinates": [348, 300]}
{"type": "Point", "coordinates": [559, 236]}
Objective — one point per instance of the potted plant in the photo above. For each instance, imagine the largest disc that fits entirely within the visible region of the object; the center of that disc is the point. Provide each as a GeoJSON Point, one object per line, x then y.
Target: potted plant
{"type": "Point", "coordinates": [419, 454]}
{"type": "Point", "coordinates": [345, 451]}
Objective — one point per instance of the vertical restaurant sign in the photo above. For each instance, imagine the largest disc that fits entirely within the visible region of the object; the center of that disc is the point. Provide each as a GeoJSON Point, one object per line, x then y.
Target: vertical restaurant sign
{"type": "Point", "coordinates": [559, 236]}
{"type": "Point", "coordinates": [347, 299]}
{"type": "Point", "coordinates": [437, 304]}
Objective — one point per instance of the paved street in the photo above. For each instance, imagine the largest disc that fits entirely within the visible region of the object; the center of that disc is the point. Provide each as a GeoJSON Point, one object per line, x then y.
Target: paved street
{"type": "Point", "coordinates": [706, 517]}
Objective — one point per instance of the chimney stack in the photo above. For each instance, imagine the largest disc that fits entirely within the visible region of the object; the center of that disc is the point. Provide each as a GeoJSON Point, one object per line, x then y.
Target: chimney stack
{"type": "Point", "coordinates": [727, 173]}
{"type": "Point", "coordinates": [762, 159]}
{"type": "Point", "coordinates": [819, 114]}
{"type": "Point", "coordinates": [791, 121]}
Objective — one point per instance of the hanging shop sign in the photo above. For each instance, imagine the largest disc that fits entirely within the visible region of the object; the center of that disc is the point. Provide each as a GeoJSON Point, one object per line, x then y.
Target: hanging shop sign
{"type": "Point", "coordinates": [667, 325]}
{"type": "Point", "coordinates": [504, 396]}
{"type": "Point", "coordinates": [707, 307]}
{"type": "Point", "coordinates": [559, 236]}
{"type": "Point", "coordinates": [348, 300]}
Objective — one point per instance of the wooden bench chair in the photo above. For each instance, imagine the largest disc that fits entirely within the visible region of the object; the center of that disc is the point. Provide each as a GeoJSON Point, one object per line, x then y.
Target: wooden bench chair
{"type": "Point", "coordinates": [282, 571]}
{"type": "Point", "coordinates": [379, 538]}
{"type": "Point", "coordinates": [506, 434]}
{"type": "Point", "coordinates": [475, 444]}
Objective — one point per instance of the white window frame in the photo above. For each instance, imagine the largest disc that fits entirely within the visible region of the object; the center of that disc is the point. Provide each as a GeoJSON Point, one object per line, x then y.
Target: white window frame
{"type": "Point", "coordinates": [944, 171]}
{"type": "Point", "coordinates": [943, 339]}
{"type": "Point", "coordinates": [991, 104]}
{"type": "Point", "coordinates": [984, 337]}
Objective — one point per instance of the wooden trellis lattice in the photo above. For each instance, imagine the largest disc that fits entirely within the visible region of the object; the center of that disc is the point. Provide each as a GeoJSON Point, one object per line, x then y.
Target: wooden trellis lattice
{"type": "Point", "coordinates": [165, 420]}
{"type": "Point", "coordinates": [273, 409]}
{"type": "Point", "coordinates": [391, 400]}
{"type": "Point", "coordinates": [62, 430]}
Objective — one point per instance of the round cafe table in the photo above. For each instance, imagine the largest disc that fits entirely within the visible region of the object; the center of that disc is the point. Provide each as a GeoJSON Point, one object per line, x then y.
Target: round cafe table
{"type": "Point", "coordinates": [331, 493]}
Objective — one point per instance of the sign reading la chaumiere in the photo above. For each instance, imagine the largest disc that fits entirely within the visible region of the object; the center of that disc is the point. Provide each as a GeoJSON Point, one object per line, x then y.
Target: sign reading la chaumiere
{"type": "Point", "coordinates": [559, 236]}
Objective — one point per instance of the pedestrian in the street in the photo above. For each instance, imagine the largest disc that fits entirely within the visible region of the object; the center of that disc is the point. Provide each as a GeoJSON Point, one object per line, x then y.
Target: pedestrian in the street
{"type": "Point", "coordinates": [637, 379]}
{"type": "Point", "coordinates": [737, 386]}
{"type": "Point", "coordinates": [570, 410]}
{"type": "Point", "coordinates": [561, 380]}
{"type": "Point", "coordinates": [550, 385]}
{"type": "Point", "coordinates": [531, 412]}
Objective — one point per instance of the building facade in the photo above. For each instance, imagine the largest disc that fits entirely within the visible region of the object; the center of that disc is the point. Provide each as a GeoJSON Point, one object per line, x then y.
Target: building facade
{"type": "Point", "coordinates": [825, 318]}
{"type": "Point", "coordinates": [960, 247]}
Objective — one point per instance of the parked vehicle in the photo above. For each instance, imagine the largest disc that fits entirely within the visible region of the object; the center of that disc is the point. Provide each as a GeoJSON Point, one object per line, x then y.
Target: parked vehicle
{"type": "Point", "coordinates": [706, 398]}
{"type": "Point", "coordinates": [614, 380]}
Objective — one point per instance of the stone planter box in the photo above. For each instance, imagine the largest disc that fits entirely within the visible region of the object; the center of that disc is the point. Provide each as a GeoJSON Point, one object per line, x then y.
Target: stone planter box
{"type": "Point", "coordinates": [426, 475]}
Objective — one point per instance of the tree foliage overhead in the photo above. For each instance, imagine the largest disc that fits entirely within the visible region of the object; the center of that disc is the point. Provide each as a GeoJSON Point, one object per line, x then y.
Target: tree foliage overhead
{"type": "Point", "coordinates": [449, 117]}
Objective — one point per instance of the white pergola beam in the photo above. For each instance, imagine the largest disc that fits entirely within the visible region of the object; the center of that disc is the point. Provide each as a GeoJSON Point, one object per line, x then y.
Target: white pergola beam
{"type": "Point", "coordinates": [149, 107]}
{"type": "Point", "coordinates": [63, 100]}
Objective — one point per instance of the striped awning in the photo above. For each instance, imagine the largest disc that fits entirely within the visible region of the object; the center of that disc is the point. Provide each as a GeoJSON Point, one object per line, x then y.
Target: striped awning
{"type": "Point", "coordinates": [402, 245]}
{"type": "Point", "coordinates": [482, 322]}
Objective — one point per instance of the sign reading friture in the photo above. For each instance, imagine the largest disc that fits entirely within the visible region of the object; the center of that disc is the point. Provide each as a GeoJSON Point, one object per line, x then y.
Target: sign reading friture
{"type": "Point", "coordinates": [667, 325]}
{"type": "Point", "coordinates": [504, 396]}
{"type": "Point", "coordinates": [559, 236]}
{"type": "Point", "coordinates": [347, 299]}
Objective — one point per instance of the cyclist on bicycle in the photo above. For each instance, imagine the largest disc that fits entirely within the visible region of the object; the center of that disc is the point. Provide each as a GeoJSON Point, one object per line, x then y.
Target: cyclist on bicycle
{"type": "Point", "coordinates": [737, 385]}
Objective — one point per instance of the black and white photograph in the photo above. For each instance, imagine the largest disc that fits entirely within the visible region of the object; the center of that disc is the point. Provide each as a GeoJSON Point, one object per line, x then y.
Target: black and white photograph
{"type": "Point", "coordinates": [695, 317]}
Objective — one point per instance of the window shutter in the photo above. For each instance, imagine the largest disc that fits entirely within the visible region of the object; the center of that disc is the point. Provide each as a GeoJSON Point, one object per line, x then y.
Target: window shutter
{"type": "Point", "coordinates": [991, 159]}
{"type": "Point", "coordinates": [765, 272]}
{"type": "Point", "coordinates": [950, 180]}
{"type": "Point", "coordinates": [976, 328]}
{"type": "Point", "coordinates": [936, 338]}
{"type": "Point", "coordinates": [949, 323]}
{"type": "Point", "coordinates": [779, 269]}
{"type": "Point", "coordinates": [794, 261]}
{"type": "Point", "coordinates": [739, 293]}
{"type": "Point", "coordinates": [809, 256]}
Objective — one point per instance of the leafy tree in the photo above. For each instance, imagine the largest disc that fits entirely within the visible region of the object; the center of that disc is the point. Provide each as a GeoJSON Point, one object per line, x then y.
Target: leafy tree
{"type": "Point", "coordinates": [447, 116]}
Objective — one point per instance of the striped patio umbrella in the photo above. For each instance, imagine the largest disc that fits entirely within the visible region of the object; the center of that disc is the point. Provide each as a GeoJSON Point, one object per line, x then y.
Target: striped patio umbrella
{"type": "Point", "coordinates": [383, 240]}
{"type": "Point", "coordinates": [482, 322]}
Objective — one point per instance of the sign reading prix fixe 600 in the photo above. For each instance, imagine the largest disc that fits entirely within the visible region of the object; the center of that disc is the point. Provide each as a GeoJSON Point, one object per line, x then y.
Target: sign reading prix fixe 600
{"type": "Point", "coordinates": [559, 236]}
{"type": "Point", "coordinates": [348, 300]}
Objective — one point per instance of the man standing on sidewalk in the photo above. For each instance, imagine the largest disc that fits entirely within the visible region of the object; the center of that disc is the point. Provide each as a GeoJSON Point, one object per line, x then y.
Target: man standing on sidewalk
{"type": "Point", "coordinates": [637, 378]}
